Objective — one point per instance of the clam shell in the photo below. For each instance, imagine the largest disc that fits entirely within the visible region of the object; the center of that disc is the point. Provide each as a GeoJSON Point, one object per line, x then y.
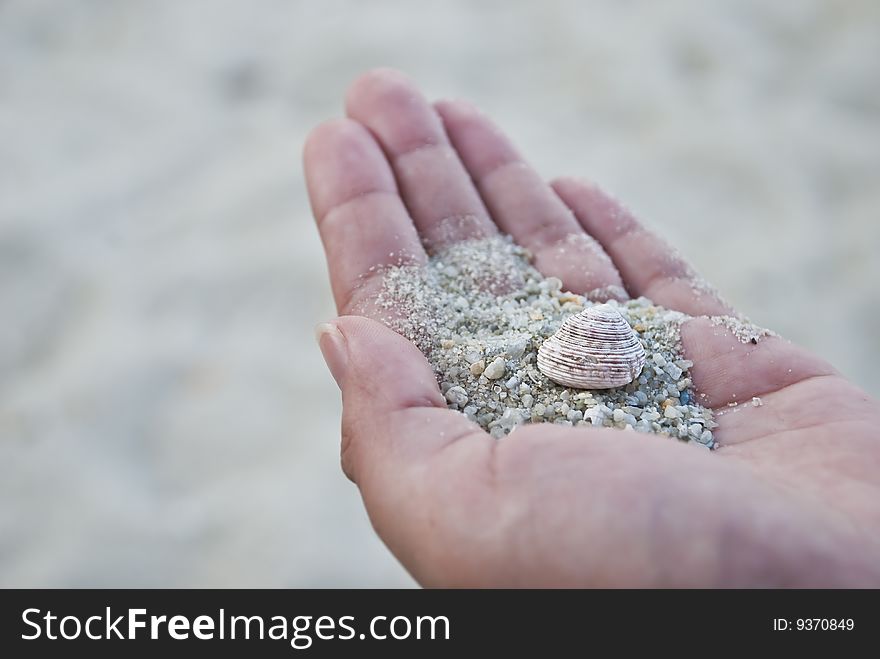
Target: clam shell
{"type": "Point", "coordinates": [595, 349]}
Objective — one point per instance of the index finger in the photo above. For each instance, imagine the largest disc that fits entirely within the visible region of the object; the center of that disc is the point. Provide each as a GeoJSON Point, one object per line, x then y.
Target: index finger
{"type": "Point", "coordinates": [362, 220]}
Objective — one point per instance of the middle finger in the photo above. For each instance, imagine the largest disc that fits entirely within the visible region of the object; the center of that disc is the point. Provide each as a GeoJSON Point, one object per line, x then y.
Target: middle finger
{"type": "Point", "coordinates": [441, 198]}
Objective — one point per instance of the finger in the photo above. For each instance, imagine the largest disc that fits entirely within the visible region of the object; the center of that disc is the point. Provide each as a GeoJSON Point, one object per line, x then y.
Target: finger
{"type": "Point", "coordinates": [728, 369]}
{"type": "Point", "coordinates": [648, 265]}
{"type": "Point", "coordinates": [396, 429]}
{"type": "Point", "coordinates": [434, 185]}
{"type": "Point", "coordinates": [752, 383]}
{"type": "Point", "coordinates": [524, 206]}
{"type": "Point", "coordinates": [362, 220]}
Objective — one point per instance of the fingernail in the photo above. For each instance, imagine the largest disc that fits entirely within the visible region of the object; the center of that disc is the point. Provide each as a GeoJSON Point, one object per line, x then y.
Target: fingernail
{"type": "Point", "coordinates": [333, 347]}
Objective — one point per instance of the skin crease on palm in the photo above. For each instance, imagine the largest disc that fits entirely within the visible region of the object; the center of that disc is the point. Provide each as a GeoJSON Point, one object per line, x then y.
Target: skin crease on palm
{"type": "Point", "coordinates": [792, 497]}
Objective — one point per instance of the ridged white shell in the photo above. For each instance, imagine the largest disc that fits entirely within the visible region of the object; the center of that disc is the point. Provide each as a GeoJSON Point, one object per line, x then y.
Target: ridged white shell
{"type": "Point", "coordinates": [595, 349]}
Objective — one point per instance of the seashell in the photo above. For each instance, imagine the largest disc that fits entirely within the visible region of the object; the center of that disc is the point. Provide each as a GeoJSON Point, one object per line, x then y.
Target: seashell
{"type": "Point", "coordinates": [595, 349]}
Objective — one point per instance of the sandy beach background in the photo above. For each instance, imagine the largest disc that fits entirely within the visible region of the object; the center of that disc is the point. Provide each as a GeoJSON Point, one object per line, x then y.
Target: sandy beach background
{"type": "Point", "coordinates": [165, 416]}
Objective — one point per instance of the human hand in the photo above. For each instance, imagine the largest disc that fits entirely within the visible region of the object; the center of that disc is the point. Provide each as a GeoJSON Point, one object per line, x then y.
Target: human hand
{"type": "Point", "coordinates": [792, 497]}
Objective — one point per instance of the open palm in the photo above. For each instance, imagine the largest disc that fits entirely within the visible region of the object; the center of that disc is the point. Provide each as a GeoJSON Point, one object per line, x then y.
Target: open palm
{"type": "Point", "coordinates": [791, 498]}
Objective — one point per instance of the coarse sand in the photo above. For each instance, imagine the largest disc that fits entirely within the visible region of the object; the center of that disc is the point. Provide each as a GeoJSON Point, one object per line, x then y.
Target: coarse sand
{"type": "Point", "coordinates": [479, 311]}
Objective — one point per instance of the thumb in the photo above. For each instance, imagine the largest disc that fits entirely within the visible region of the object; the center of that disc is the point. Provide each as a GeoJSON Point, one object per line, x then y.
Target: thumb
{"type": "Point", "coordinates": [393, 414]}
{"type": "Point", "coordinates": [396, 430]}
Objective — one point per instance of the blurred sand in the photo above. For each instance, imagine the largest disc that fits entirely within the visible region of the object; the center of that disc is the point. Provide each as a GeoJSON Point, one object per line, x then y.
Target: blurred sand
{"type": "Point", "coordinates": [165, 417]}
